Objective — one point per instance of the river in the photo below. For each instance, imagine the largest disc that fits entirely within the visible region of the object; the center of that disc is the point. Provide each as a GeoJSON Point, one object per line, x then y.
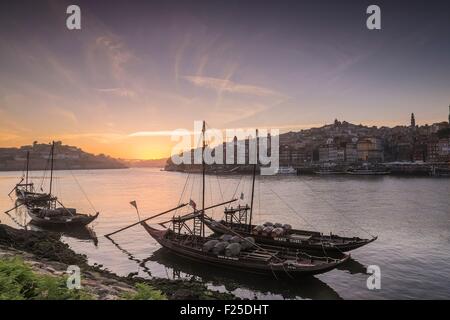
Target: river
{"type": "Point", "coordinates": [410, 216]}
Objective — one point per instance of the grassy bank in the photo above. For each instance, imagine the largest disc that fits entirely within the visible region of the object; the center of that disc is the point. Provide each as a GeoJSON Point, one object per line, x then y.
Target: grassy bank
{"type": "Point", "coordinates": [33, 266]}
{"type": "Point", "coordinates": [19, 282]}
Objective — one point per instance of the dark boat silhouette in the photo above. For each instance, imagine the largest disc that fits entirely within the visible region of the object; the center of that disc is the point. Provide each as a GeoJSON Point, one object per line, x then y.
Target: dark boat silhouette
{"type": "Point", "coordinates": [53, 212]}
{"type": "Point", "coordinates": [239, 220]}
{"type": "Point", "coordinates": [26, 193]}
{"type": "Point", "coordinates": [293, 238]}
{"type": "Point", "coordinates": [59, 217]}
{"type": "Point", "coordinates": [262, 260]}
{"type": "Point", "coordinates": [304, 288]}
{"type": "Point", "coordinates": [82, 233]}
{"type": "Point", "coordinates": [242, 254]}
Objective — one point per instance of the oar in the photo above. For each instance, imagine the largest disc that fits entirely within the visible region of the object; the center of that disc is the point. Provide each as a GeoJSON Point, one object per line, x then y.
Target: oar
{"type": "Point", "coordinates": [21, 204]}
{"type": "Point", "coordinates": [156, 215]}
{"type": "Point", "coordinates": [207, 208]}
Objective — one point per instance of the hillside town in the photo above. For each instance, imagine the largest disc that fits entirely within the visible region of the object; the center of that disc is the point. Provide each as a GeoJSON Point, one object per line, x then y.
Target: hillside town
{"type": "Point", "coordinates": [66, 157]}
{"type": "Point", "coordinates": [346, 143]}
{"type": "Point", "coordinates": [342, 145]}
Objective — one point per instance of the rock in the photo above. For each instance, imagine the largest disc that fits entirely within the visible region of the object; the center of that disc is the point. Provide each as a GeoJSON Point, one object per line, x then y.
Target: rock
{"type": "Point", "coordinates": [184, 294]}
{"type": "Point", "coordinates": [132, 274]}
{"type": "Point", "coordinates": [50, 269]}
{"type": "Point", "coordinates": [45, 253]}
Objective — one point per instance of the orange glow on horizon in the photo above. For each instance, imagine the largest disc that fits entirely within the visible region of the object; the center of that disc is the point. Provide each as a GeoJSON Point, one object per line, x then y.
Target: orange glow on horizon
{"type": "Point", "coordinates": [140, 147]}
{"type": "Point", "coordinates": [127, 148]}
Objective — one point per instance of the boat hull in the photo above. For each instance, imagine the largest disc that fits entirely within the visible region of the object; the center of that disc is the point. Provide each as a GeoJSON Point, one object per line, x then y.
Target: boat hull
{"type": "Point", "coordinates": [326, 246]}
{"type": "Point", "coordinates": [196, 254]}
{"type": "Point", "coordinates": [368, 173]}
{"type": "Point", "coordinates": [76, 220]}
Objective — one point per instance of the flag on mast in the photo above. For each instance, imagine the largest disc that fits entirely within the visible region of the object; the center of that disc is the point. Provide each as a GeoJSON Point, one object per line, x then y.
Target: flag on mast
{"type": "Point", "coordinates": [134, 204]}
{"type": "Point", "coordinates": [193, 204]}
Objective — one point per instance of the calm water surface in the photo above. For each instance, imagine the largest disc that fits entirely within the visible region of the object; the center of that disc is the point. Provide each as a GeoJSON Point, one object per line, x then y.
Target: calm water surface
{"type": "Point", "coordinates": [411, 217]}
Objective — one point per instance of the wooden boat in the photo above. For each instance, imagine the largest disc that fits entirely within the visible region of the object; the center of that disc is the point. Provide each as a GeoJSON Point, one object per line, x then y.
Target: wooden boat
{"type": "Point", "coordinates": [239, 220]}
{"type": "Point", "coordinates": [31, 197]}
{"type": "Point", "coordinates": [304, 287]}
{"type": "Point", "coordinates": [59, 217]}
{"type": "Point", "coordinates": [286, 171]}
{"type": "Point", "coordinates": [366, 170]}
{"type": "Point", "coordinates": [264, 260]}
{"type": "Point", "coordinates": [241, 254]}
{"type": "Point", "coordinates": [297, 239]}
{"type": "Point", "coordinates": [50, 214]}
{"type": "Point", "coordinates": [25, 192]}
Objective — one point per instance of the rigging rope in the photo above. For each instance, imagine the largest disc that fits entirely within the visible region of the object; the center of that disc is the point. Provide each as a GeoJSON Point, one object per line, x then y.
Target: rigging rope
{"type": "Point", "coordinates": [44, 175]}
{"type": "Point", "coordinates": [210, 191]}
{"type": "Point", "coordinates": [337, 211]}
{"type": "Point", "coordinates": [184, 188]}
{"type": "Point", "coordinates": [234, 194]}
{"type": "Point", "coordinates": [307, 222]}
{"type": "Point", "coordinates": [259, 199]}
{"type": "Point", "coordinates": [220, 188]}
{"type": "Point", "coordinates": [293, 210]}
{"type": "Point", "coordinates": [82, 190]}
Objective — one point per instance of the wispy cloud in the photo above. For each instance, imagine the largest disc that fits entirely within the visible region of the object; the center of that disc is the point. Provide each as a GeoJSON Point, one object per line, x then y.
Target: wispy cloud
{"type": "Point", "coordinates": [225, 85]}
{"type": "Point", "coordinates": [163, 133]}
{"type": "Point", "coordinates": [117, 54]}
{"type": "Point", "coordinates": [179, 55]}
{"type": "Point", "coordinates": [63, 113]}
{"type": "Point", "coordinates": [100, 137]}
{"type": "Point", "coordinates": [121, 92]}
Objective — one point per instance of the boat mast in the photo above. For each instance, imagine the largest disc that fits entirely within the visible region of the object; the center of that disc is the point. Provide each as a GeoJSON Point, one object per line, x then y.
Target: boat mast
{"type": "Point", "coordinates": [26, 179]}
{"type": "Point", "coordinates": [51, 167]}
{"type": "Point", "coordinates": [253, 182]}
{"type": "Point", "coordinates": [203, 179]}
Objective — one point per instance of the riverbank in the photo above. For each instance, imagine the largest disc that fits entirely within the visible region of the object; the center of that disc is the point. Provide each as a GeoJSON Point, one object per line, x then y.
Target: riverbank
{"type": "Point", "coordinates": [45, 260]}
{"type": "Point", "coordinates": [413, 169]}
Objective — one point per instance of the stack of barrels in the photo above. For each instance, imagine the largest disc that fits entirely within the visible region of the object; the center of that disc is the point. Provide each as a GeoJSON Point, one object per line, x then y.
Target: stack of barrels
{"type": "Point", "coordinates": [228, 245]}
{"type": "Point", "coordinates": [272, 229]}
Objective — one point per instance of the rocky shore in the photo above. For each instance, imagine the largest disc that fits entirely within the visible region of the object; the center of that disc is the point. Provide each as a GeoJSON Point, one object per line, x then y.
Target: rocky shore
{"type": "Point", "coordinates": [48, 257]}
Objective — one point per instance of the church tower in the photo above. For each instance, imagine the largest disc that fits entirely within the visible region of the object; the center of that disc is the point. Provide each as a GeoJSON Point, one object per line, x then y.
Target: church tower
{"type": "Point", "coordinates": [413, 121]}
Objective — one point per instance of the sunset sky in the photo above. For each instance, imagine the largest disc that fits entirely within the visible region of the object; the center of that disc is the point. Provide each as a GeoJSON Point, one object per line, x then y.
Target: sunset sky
{"type": "Point", "coordinates": [139, 69]}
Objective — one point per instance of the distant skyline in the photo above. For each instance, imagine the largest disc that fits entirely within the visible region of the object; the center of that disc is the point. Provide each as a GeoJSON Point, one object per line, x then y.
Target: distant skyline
{"type": "Point", "coordinates": [155, 66]}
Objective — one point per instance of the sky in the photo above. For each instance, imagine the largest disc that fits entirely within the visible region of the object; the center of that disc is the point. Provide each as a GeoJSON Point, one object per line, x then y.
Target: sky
{"type": "Point", "coordinates": [139, 69]}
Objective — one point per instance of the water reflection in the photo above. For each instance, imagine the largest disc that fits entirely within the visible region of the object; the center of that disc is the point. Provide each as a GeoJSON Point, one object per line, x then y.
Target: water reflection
{"type": "Point", "coordinates": [353, 267]}
{"type": "Point", "coordinates": [84, 233]}
{"type": "Point", "coordinates": [410, 215]}
{"type": "Point", "coordinates": [306, 288]}
{"type": "Point", "coordinates": [176, 268]}
{"type": "Point", "coordinates": [140, 263]}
